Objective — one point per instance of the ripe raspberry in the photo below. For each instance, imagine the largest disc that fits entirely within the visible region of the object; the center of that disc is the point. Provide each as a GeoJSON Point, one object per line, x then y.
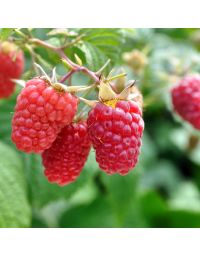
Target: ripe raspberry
{"type": "Point", "coordinates": [65, 159]}
{"type": "Point", "coordinates": [12, 65]}
{"type": "Point", "coordinates": [116, 134]}
{"type": "Point", "coordinates": [186, 99]}
{"type": "Point", "coordinates": [40, 113]}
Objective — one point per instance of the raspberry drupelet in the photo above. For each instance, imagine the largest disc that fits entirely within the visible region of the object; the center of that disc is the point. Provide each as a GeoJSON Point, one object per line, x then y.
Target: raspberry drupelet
{"type": "Point", "coordinates": [11, 67]}
{"type": "Point", "coordinates": [65, 159]}
{"type": "Point", "coordinates": [40, 114]}
{"type": "Point", "coordinates": [116, 134]}
{"type": "Point", "coordinates": [186, 99]}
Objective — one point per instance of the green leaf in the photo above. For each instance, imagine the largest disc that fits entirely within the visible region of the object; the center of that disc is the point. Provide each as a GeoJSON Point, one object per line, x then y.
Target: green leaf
{"type": "Point", "coordinates": [96, 215]}
{"type": "Point", "coordinates": [65, 32]}
{"type": "Point", "coordinates": [121, 192]}
{"type": "Point", "coordinates": [148, 150]}
{"type": "Point", "coordinates": [178, 219]}
{"type": "Point", "coordinates": [95, 59]}
{"type": "Point", "coordinates": [128, 39]}
{"type": "Point", "coordinates": [58, 31]}
{"type": "Point", "coordinates": [6, 113]}
{"type": "Point", "coordinates": [145, 210]}
{"type": "Point", "coordinates": [5, 33]}
{"type": "Point", "coordinates": [158, 214]}
{"type": "Point", "coordinates": [108, 41]}
{"type": "Point", "coordinates": [14, 207]}
{"type": "Point", "coordinates": [152, 206]}
{"type": "Point", "coordinates": [186, 197]}
{"type": "Point", "coordinates": [161, 175]}
{"type": "Point", "coordinates": [53, 41]}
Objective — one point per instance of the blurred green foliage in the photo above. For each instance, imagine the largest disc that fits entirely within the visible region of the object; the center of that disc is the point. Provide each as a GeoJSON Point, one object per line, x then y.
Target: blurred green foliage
{"type": "Point", "coordinates": [164, 188]}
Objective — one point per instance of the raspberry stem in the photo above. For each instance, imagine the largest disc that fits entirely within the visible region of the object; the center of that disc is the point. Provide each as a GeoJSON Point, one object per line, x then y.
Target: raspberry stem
{"type": "Point", "coordinates": [67, 76]}
{"type": "Point", "coordinates": [74, 67]}
{"type": "Point", "coordinates": [61, 53]}
{"type": "Point", "coordinates": [78, 68]}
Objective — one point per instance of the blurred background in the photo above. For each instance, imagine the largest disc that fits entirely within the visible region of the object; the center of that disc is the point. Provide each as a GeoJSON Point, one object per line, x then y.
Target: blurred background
{"type": "Point", "coordinates": [163, 190]}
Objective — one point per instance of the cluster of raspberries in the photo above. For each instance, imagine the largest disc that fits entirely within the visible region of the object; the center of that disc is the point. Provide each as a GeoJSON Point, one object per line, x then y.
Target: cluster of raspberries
{"type": "Point", "coordinates": [43, 123]}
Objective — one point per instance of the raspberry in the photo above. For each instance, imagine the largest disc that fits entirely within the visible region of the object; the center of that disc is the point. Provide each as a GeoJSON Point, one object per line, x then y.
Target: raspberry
{"type": "Point", "coordinates": [40, 113]}
{"type": "Point", "coordinates": [12, 65]}
{"type": "Point", "coordinates": [116, 134]}
{"type": "Point", "coordinates": [65, 159]}
{"type": "Point", "coordinates": [186, 100]}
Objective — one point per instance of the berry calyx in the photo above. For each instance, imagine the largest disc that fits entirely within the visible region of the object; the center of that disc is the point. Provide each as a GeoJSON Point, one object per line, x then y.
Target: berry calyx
{"type": "Point", "coordinates": [12, 66]}
{"type": "Point", "coordinates": [65, 159]}
{"type": "Point", "coordinates": [40, 114]}
{"type": "Point", "coordinates": [186, 99]}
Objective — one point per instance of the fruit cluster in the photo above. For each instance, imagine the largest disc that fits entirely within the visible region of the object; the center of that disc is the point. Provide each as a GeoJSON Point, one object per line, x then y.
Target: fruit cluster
{"type": "Point", "coordinates": [45, 122]}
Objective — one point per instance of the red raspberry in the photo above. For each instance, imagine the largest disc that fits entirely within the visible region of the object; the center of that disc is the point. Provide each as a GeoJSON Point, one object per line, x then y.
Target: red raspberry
{"type": "Point", "coordinates": [186, 99]}
{"type": "Point", "coordinates": [40, 113]}
{"type": "Point", "coordinates": [116, 135]}
{"type": "Point", "coordinates": [11, 67]}
{"type": "Point", "coordinates": [65, 159]}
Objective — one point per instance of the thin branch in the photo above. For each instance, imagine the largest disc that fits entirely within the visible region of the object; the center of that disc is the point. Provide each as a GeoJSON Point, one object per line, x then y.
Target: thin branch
{"type": "Point", "coordinates": [60, 52]}
{"type": "Point", "coordinates": [43, 44]}
{"type": "Point", "coordinates": [66, 76]}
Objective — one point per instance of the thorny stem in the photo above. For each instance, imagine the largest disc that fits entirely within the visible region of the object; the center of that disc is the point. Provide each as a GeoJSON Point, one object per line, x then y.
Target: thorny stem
{"type": "Point", "coordinates": [70, 81]}
{"type": "Point", "coordinates": [60, 52]}
{"type": "Point", "coordinates": [78, 68]}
